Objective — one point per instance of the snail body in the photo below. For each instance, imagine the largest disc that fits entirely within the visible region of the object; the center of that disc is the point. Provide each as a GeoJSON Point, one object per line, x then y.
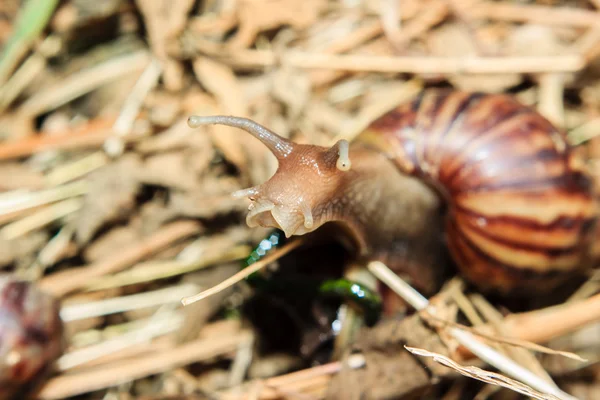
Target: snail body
{"type": "Point", "coordinates": [480, 175]}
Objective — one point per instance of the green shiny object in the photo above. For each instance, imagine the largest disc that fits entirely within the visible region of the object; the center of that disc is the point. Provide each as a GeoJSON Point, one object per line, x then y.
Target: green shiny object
{"type": "Point", "coordinates": [271, 242]}
{"type": "Point", "coordinates": [366, 299]}
{"type": "Point", "coordinates": [363, 297]}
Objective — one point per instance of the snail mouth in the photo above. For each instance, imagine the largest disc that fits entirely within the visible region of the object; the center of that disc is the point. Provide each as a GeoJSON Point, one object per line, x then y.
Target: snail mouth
{"type": "Point", "coordinates": [268, 215]}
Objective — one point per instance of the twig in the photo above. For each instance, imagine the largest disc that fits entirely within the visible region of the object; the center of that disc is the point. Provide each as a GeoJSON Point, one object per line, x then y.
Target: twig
{"type": "Point", "coordinates": [153, 270]}
{"type": "Point", "coordinates": [83, 82]}
{"type": "Point", "coordinates": [55, 247]}
{"type": "Point", "coordinates": [28, 71]}
{"type": "Point", "coordinates": [483, 375]}
{"type": "Point", "coordinates": [584, 132]}
{"type": "Point", "coordinates": [126, 303]}
{"type": "Point", "coordinates": [510, 341]}
{"type": "Point", "coordinates": [466, 339]}
{"type": "Point", "coordinates": [72, 279]}
{"type": "Point", "coordinates": [157, 325]}
{"type": "Point", "coordinates": [40, 218]}
{"type": "Point", "coordinates": [89, 134]}
{"type": "Point", "coordinates": [122, 126]}
{"type": "Point", "coordinates": [537, 14]}
{"type": "Point", "coordinates": [69, 171]}
{"type": "Point", "coordinates": [128, 370]}
{"type": "Point", "coordinates": [408, 64]}
{"type": "Point", "coordinates": [550, 98]}
{"type": "Point", "coordinates": [243, 273]}
{"type": "Point", "coordinates": [241, 362]}
{"type": "Point", "coordinates": [588, 44]}
{"type": "Point", "coordinates": [295, 380]}
{"type": "Point", "coordinates": [12, 202]}
{"type": "Point", "coordinates": [555, 321]}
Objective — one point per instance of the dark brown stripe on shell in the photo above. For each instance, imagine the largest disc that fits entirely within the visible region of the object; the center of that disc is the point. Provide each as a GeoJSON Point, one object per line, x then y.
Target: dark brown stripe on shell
{"type": "Point", "coordinates": [562, 222]}
{"type": "Point", "coordinates": [493, 275]}
{"type": "Point", "coordinates": [464, 152]}
{"type": "Point", "coordinates": [572, 184]}
{"type": "Point", "coordinates": [432, 155]}
{"type": "Point", "coordinates": [501, 168]}
{"type": "Point", "coordinates": [491, 260]}
{"type": "Point", "coordinates": [550, 251]}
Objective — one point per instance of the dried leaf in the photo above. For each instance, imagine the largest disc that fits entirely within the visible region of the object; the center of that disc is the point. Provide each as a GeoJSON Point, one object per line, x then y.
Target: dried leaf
{"type": "Point", "coordinates": [164, 109]}
{"type": "Point", "coordinates": [292, 88]}
{"type": "Point", "coordinates": [483, 375]}
{"type": "Point", "coordinates": [211, 197]}
{"type": "Point", "coordinates": [111, 197]}
{"type": "Point", "coordinates": [170, 170]}
{"type": "Point", "coordinates": [197, 315]}
{"type": "Point", "coordinates": [165, 20]}
{"type": "Point", "coordinates": [15, 176]}
{"type": "Point", "coordinates": [21, 249]}
{"type": "Point", "coordinates": [256, 16]}
{"type": "Point", "coordinates": [534, 40]}
{"type": "Point", "coordinates": [115, 240]}
{"type": "Point", "coordinates": [454, 40]}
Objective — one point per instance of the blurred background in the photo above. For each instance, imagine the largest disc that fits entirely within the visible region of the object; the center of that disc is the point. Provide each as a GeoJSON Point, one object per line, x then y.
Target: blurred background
{"type": "Point", "coordinates": [111, 204]}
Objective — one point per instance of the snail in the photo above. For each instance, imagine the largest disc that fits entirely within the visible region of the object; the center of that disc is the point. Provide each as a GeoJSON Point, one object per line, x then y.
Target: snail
{"type": "Point", "coordinates": [478, 176]}
{"type": "Point", "coordinates": [31, 337]}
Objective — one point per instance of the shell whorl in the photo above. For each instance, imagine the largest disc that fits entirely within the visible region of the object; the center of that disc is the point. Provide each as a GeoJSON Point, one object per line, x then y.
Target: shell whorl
{"type": "Point", "coordinates": [518, 202]}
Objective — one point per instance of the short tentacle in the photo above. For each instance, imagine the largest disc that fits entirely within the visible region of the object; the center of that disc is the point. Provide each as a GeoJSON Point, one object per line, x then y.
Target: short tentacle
{"type": "Point", "coordinates": [343, 162]}
{"type": "Point", "coordinates": [243, 193]}
{"type": "Point", "coordinates": [308, 218]}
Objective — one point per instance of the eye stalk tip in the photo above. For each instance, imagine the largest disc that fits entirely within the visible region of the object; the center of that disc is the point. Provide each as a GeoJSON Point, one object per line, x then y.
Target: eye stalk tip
{"type": "Point", "coordinates": [240, 194]}
{"type": "Point", "coordinates": [343, 162]}
{"type": "Point", "coordinates": [194, 121]}
{"type": "Point", "coordinates": [343, 165]}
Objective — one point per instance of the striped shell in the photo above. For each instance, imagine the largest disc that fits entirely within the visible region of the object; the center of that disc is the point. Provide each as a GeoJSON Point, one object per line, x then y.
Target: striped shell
{"type": "Point", "coordinates": [519, 204]}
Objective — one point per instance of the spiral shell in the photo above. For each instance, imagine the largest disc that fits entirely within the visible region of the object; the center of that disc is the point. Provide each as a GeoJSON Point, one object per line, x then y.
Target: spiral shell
{"type": "Point", "coordinates": [519, 202]}
{"type": "Point", "coordinates": [31, 337]}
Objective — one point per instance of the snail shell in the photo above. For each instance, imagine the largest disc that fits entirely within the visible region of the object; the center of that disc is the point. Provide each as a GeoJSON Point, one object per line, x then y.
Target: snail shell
{"type": "Point", "coordinates": [519, 202]}
{"type": "Point", "coordinates": [31, 337]}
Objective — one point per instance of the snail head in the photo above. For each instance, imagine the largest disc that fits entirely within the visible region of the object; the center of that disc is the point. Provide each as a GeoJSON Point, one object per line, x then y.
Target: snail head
{"type": "Point", "coordinates": [297, 198]}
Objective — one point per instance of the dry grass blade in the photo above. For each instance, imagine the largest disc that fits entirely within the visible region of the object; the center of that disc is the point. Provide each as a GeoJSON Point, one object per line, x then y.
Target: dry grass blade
{"type": "Point", "coordinates": [410, 64]}
{"type": "Point", "coordinates": [484, 352]}
{"type": "Point", "coordinates": [89, 134]}
{"type": "Point", "coordinates": [534, 13]}
{"type": "Point", "coordinates": [83, 82]}
{"type": "Point", "coordinates": [257, 266]}
{"type": "Point", "coordinates": [114, 146]}
{"type": "Point", "coordinates": [11, 202]}
{"type": "Point", "coordinates": [139, 367]}
{"type": "Point", "coordinates": [125, 303]}
{"type": "Point", "coordinates": [31, 22]}
{"type": "Point", "coordinates": [40, 218]}
{"type": "Point", "coordinates": [273, 388]}
{"type": "Point", "coordinates": [72, 279]}
{"type": "Point", "coordinates": [510, 341]}
{"type": "Point", "coordinates": [113, 204]}
{"type": "Point", "coordinates": [483, 375]}
{"type": "Point", "coordinates": [160, 324]}
{"type": "Point", "coordinates": [555, 321]}
{"type": "Point", "coordinates": [154, 270]}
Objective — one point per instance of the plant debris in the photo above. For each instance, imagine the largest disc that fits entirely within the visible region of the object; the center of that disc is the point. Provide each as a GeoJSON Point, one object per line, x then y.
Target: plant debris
{"type": "Point", "coordinates": [112, 203]}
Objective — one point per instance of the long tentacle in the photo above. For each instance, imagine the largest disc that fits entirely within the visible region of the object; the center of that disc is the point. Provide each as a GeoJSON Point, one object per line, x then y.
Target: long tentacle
{"type": "Point", "coordinates": [279, 146]}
